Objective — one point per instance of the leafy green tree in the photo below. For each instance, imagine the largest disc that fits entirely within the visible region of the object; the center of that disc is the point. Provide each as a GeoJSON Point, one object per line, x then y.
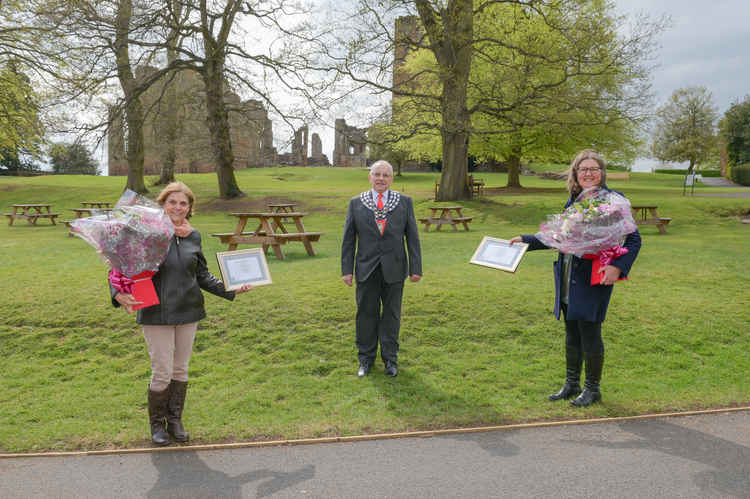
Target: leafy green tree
{"type": "Point", "coordinates": [513, 79]}
{"type": "Point", "coordinates": [21, 130]}
{"type": "Point", "coordinates": [735, 131]}
{"type": "Point", "coordinates": [73, 159]}
{"type": "Point", "coordinates": [685, 127]}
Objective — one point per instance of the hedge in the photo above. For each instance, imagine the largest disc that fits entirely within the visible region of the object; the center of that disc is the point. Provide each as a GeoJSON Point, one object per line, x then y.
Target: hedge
{"type": "Point", "coordinates": [741, 174]}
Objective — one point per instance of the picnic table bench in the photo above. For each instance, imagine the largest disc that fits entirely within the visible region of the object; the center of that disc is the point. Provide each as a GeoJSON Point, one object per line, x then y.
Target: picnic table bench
{"type": "Point", "coordinates": [95, 204]}
{"type": "Point", "coordinates": [476, 184]}
{"type": "Point", "coordinates": [86, 212]}
{"type": "Point", "coordinates": [31, 212]}
{"type": "Point", "coordinates": [271, 231]}
{"type": "Point", "coordinates": [446, 217]}
{"type": "Point", "coordinates": [648, 215]}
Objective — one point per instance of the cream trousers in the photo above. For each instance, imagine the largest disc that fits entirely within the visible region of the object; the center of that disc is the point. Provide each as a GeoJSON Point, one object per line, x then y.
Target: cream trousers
{"type": "Point", "coordinates": [170, 348]}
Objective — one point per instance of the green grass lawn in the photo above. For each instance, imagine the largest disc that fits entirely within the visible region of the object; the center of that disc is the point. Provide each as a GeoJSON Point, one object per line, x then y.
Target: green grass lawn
{"type": "Point", "coordinates": [478, 346]}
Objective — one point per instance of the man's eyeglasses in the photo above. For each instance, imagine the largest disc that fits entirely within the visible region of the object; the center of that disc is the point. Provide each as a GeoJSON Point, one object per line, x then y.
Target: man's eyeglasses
{"type": "Point", "coordinates": [589, 170]}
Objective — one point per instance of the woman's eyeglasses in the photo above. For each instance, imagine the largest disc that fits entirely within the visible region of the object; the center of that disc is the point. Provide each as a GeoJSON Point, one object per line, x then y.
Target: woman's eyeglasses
{"type": "Point", "coordinates": [584, 171]}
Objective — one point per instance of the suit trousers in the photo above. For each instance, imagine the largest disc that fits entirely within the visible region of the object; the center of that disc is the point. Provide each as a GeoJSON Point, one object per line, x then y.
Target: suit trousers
{"type": "Point", "coordinates": [170, 348]}
{"type": "Point", "coordinates": [378, 317]}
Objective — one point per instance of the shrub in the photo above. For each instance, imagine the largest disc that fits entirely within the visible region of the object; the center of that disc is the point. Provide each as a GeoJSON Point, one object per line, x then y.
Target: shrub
{"type": "Point", "coordinates": [741, 174]}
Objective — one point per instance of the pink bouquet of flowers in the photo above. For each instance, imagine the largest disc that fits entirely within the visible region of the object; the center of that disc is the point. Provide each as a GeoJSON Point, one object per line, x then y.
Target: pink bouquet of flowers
{"type": "Point", "coordinates": [593, 227]}
{"type": "Point", "coordinates": [133, 239]}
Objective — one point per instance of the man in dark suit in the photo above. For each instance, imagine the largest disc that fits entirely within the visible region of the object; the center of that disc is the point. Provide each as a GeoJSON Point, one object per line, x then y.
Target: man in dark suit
{"type": "Point", "coordinates": [377, 222]}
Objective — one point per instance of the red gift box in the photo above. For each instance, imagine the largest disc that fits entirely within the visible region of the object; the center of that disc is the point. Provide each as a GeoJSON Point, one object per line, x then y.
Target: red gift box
{"type": "Point", "coordinates": [143, 290]}
{"type": "Point", "coordinates": [596, 276]}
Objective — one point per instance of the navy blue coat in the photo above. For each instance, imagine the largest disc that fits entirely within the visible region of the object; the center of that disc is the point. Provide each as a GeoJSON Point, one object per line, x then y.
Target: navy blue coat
{"type": "Point", "coordinates": [587, 302]}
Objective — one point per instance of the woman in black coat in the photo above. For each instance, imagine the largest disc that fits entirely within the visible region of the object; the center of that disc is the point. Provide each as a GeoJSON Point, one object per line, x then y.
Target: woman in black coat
{"type": "Point", "coordinates": [170, 326]}
{"type": "Point", "coordinates": [584, 306]}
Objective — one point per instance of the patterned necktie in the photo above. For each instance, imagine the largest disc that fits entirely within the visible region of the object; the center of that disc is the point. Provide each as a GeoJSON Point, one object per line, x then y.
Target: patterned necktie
{"type": "Point", "coordinates": [381, 223]}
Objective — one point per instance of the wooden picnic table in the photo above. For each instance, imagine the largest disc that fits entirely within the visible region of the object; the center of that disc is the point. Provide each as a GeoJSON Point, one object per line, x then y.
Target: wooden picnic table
{"type": "Point", "coordinates": [281, 207]}
{"type": "Point", "coordinates": [31, 212]}
{"type": "Point", "coordinates": [87, 212]}
{"type": "Point", "coordinates": [446, 217]}
{"type": "Point", "coordinates": [649, 215]}
{"type": "Point", "coordinates": [95, 204]}
{"type": "Point", "coordinates": [270, 231]}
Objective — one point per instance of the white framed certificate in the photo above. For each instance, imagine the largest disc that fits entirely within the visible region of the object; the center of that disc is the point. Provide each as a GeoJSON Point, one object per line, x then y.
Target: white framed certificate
{"type": "Point", "coordinates": [499, 254]}
{"type": "Point", "coordinates": [242, 267]}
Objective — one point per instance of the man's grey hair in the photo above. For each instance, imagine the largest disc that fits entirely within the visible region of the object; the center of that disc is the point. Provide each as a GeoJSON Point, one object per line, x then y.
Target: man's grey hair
{"type": "Point", "coordinates": [379, 164]}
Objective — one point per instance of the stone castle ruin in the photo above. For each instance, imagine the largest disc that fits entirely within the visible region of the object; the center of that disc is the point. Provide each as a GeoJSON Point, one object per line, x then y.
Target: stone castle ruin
{"type": "Point", "coordinates": [350, 146]}
{"type": "Point", "coordinates": [251, 130]}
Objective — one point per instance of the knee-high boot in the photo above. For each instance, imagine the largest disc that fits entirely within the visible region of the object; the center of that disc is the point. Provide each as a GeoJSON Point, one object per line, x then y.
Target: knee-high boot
{"type": "Point", "coordinates": [572, 385]}
{"type": "Point", "coordinates": [594, 364]}
{"type": "Point", "coordinates": [157, 416]}
{"type": "Point", "coordinates": [177, 393]}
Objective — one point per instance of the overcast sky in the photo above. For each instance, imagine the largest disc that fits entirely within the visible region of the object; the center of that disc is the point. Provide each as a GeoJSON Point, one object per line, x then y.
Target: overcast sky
{"type": "Point", "coordinates": [707, 44]}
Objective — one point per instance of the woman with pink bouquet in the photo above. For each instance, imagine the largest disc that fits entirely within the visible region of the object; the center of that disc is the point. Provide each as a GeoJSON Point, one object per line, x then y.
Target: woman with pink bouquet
{"type": "Point", "coordinates": [596, 223]}
{"type": "Point", "coordinates": [169, 327]}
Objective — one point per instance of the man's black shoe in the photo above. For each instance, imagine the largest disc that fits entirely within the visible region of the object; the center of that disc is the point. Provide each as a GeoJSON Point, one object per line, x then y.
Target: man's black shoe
{"type": "Point", "coordinates": [391, 369]}
{"type": "Point", "coordinates": [364, 368]}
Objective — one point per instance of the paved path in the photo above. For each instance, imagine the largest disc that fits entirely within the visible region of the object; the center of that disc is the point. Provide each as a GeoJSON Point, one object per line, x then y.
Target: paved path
{"type": "Point", "coordinates": [740, 192]}
{"type": "Point", "coordinates": [705, 456]}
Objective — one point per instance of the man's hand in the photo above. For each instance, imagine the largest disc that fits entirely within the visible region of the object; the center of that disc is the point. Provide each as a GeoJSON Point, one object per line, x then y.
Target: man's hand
{"type": "Point", "coordinates": [348, 279]}
{"type": "Point", "coordinates": [244, 289]}
{"type": "Point", "coordinates": [415, 277]}
{"type": "Point", "coordinates": [127, 301]}
{"type": "Point", "coordinates": [517, 239]}
{"type": "Point", "coordinates": [611, 274]}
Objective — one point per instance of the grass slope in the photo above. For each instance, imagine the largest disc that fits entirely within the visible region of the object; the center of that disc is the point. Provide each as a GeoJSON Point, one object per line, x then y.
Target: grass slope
{"type": "Point", "coordinates": [478, 346]}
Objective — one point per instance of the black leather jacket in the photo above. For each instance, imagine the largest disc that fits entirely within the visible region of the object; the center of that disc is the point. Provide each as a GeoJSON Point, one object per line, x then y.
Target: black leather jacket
{"type": "Point", "coordinates": [178, 284]}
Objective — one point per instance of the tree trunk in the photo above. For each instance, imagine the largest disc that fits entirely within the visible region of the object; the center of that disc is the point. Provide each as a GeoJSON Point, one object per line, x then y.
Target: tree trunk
{"type": "Point", "coordinates": [171, 125]}
{"type": "Point", "coordinates": [514, 167]}
{"type": "Point", "coordinates": [133, 107]}
{"type": "Point", "coordinates": [217, 118]}
{"type": "Point", "coordinates": [451, 32]}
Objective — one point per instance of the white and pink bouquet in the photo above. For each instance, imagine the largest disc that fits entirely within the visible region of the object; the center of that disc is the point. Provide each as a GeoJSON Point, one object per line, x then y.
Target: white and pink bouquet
{"type": "Point", "coordinates": [133, 239]}
{"type": "Point", "coordinates": [593, 227]}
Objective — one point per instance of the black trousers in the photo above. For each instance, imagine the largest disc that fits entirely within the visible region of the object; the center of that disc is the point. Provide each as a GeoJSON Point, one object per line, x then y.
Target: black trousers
{"type": "Point", "coordinates": [378, 317]}
{"type": "Point", "coordinates": [585, 336]}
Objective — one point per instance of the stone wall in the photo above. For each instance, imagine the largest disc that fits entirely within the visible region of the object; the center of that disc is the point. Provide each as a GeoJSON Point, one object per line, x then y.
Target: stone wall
{"type": "Point", "coordinates": [251, 130]}
{"type": "Point", "coordinates": [350, 145]}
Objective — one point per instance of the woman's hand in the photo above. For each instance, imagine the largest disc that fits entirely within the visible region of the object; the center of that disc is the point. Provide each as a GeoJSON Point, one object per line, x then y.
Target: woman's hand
{"type": "Point", "coordinates": [517, 239]}
{"type": "Point", "coordinates": [611, 274]}
{"type": "Point", "coordinates": [184, 229]}
{"type": "Point", "coordinates": [127, 301]}
{"type": "Point", "coordinates": [244, 289]}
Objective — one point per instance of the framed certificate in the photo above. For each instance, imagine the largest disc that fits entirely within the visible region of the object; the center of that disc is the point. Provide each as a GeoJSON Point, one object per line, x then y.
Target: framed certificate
{"type": "Point", "coordinates": [241, 267]}
{"type": "Point", "coordinates": [499, 254]}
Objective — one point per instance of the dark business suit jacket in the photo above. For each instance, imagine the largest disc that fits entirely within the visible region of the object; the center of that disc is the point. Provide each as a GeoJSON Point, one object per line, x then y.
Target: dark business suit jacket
{"type": "Point", "coordinates": [587, 302]}
{"type": "Point", "coordinates": [362, 238]}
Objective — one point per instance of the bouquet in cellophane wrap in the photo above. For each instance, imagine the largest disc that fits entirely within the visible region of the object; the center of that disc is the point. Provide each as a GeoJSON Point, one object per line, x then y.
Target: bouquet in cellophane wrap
{"type": "Point", "coordinates": [133, 239]}
{"type": "Point", "coordinates": [593, 227]}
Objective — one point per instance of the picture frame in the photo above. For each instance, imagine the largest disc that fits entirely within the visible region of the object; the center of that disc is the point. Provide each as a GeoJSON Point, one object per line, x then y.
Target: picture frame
{"type": "Point", "coordinates": [499, 254]}
{"type": "Point", "coordinates": [240, 267]}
